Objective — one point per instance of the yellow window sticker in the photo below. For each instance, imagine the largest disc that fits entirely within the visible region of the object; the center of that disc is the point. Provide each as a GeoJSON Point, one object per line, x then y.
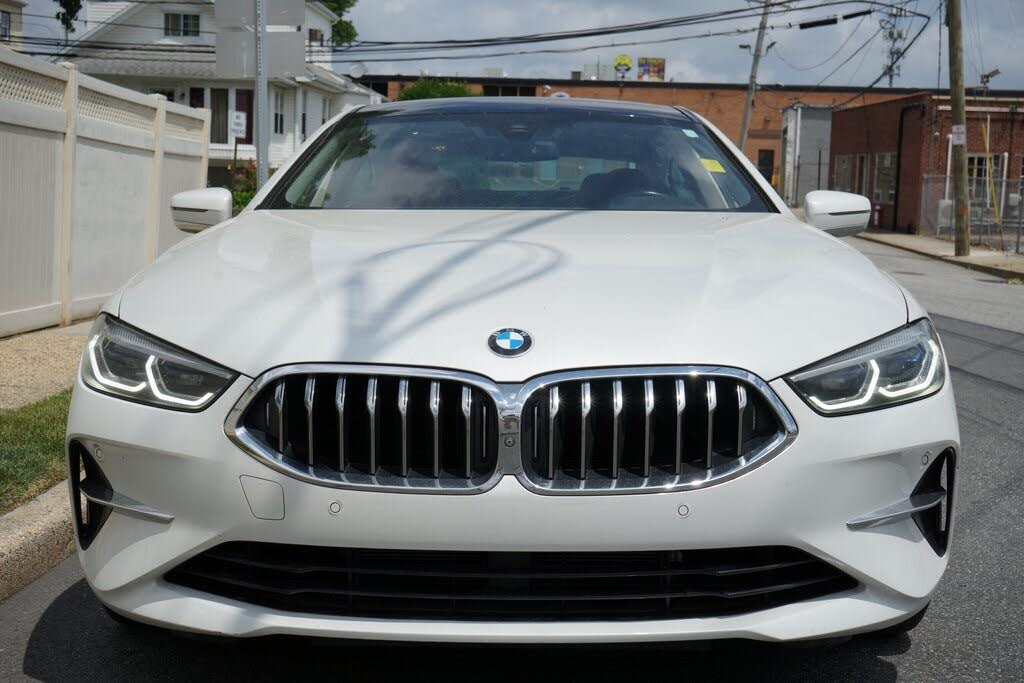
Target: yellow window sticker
{"type": "Point", "coordinates": [713, 165]}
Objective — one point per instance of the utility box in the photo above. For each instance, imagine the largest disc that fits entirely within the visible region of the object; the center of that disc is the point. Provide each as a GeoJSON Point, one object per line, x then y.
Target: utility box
{"type": "Point", "coordinates": [806, 131]}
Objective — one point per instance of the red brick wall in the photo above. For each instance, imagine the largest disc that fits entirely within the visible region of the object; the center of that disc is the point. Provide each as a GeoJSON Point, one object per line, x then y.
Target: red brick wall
{"type": "Point", "coordinates": [874, 129]}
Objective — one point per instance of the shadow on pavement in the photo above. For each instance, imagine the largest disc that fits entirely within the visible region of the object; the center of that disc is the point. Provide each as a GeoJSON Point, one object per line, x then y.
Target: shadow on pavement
{"type": "Point", "coordinates": [76, 640]}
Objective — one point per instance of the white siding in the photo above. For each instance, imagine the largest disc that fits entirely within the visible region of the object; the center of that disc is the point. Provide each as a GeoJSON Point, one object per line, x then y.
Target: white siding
{"type": "Point", "coordinates": [98, 12]}
{"type": "Point", "coordinates": [147, 26]}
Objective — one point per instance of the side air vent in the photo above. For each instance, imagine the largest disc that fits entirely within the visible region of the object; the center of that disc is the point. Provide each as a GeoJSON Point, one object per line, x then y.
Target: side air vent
{"type": "Point", "coordinates": [89, 517]}
{"type": "Point", "coordinates": [935, 523]}
{"type": "Point", "coordinates": [651, 429]}
{"type": "Point", "coordinates": [374, 430]}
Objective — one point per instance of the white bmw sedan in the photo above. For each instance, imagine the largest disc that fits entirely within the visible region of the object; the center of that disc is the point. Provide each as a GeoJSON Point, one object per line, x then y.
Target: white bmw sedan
{"type": "Point", "coordinates": [515, 370]}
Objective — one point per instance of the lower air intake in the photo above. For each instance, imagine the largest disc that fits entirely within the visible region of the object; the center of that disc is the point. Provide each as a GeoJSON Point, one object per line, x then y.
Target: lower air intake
{"type": "Point", "coordinates": [510, 586]}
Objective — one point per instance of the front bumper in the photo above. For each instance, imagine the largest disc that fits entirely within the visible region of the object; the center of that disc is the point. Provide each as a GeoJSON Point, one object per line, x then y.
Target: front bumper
{"type": "Point", "coordinates": [838, 469]}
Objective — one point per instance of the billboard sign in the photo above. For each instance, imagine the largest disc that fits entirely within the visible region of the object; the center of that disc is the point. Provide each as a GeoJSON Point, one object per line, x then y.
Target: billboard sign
{"type": "Point", "coordinates": [623, 63]}
{"type": "Point", "coordinates": [650, 69]}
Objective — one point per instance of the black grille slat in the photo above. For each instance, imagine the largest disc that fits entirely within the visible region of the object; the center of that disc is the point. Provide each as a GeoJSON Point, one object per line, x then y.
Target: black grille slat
{"type": "Point", "coordinates": [644, 432]}
{"type": "Point", "coordinates": [378, 430]}
{"type": "Point", "coordinates": [510, 586]}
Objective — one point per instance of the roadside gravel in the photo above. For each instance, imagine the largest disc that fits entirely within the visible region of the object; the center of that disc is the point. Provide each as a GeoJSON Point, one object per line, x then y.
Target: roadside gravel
{"type": "Point", "coordinates": [39, 364]}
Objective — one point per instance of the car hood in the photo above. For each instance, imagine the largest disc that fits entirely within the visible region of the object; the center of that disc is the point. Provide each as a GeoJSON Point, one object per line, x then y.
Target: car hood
{"type": "Point", "coordinates": [762, 292]}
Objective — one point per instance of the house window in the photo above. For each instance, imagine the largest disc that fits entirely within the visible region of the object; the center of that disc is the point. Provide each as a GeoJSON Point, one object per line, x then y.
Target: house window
{"type": "Point", "coordinates": [861, 187]}
{"type": "Point", "coordinates": [302, 121]}
{"type": "Point", "coordinates": [176, 24]}
{"type": "Point", "coordinates": [977, 174]}
{"type": "Point", "coordinates": [842, 175]}
{"type": "Point", "coordinates": [316, 36]}
{"type": "Point", "coordinates": [243, 103]}
{"type": "Point", "coordinates": [325, 110]}
{"type": "Point", "coordinates": [5, 25]}
{"type": "Point", "coordinates": [885, 178]}
{"type": "Point", "coordinates": [278, 112]}
{"type": "Point", "coordinates": [219, 115]}
{"type": "Point", "coordinates": [766, 163]}
{"type": "Point", "coordinates": [510, 91]}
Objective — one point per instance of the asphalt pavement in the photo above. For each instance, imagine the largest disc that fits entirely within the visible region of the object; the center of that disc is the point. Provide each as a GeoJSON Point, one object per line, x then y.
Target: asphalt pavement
{"type": "Point", "coordinates": [54, 630]}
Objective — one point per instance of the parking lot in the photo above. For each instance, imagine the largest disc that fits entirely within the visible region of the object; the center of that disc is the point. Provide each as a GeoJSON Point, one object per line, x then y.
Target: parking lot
{"type": "Point", "coordinates": [55, 630]}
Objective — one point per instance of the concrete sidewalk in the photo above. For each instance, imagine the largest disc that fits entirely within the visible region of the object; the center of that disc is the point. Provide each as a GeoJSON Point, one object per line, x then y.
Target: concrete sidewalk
{"type": "Point", "coordinates": [35, 365]}
{"type": "Point", "coordinates": [1005, 264]}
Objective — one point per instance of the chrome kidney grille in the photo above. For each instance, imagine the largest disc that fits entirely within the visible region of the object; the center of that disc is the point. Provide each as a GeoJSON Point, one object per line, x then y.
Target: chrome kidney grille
{"type": "Point", "coordinates": [358, 429]}
{"type": "Point", "coordinates": [600, 431]}
{"type": "Point", "coordinates": [661, 430]}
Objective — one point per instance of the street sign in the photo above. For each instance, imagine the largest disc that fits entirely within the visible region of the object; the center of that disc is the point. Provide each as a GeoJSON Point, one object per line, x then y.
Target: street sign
{"type": "Point", "coordinates": [239, 124]}
{"type": "Point", "coordinates": [242, 13]}
{"type": "Point", "coordinates": [959, 134]}
{"type": "Point", "coordinates": [236, 54]}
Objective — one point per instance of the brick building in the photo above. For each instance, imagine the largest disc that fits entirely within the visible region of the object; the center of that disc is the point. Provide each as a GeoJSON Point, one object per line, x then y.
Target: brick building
{"type": "Point", "coordinates": [897, 153]}
{"type": "Point", "coordinates": [721, 103]}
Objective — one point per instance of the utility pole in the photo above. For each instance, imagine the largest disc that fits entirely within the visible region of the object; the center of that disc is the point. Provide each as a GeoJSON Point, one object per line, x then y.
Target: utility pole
{"type": "Point", "coordinates": [959, 132]}
{"type": "Point", "coordinates": [894, 36]}
{"type": "Point", "coordinates": [752, 85]}
{"type": "Point", "coordinates": [262, 106]}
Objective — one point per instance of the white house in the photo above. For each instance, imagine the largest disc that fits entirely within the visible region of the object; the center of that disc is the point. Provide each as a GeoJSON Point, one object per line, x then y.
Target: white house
{"type": "Point", "coordinates": [298, 106]}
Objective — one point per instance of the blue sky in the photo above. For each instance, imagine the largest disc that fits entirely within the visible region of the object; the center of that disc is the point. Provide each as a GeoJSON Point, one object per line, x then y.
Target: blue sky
{"type": "Point", "coordinates": [993, 38]}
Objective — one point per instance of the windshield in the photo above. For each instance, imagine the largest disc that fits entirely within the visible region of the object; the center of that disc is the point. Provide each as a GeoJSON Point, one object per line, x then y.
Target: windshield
{"type": "Point", "coordinates": [568, 159]}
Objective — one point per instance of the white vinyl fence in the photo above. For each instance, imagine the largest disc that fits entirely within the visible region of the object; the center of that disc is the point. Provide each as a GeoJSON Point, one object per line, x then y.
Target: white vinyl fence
{"type": "Point", "coordinates": [86, 173]}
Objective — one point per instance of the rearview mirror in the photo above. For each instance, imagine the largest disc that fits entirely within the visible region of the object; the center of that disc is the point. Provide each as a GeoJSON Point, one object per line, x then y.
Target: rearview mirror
{"type": "Point", "coordinates": [838, 213]}
{"type": "Point", "coordinates": [196, 210]}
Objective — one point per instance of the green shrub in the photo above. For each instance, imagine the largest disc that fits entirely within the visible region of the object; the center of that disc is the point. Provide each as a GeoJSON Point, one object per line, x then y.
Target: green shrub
{"type": "Point", "coordinates": [430, 88]}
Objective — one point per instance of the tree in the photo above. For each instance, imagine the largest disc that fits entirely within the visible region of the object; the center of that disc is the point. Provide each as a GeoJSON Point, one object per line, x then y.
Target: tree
{"type": "Point", "coordinates": [68, 13]}
{"type": "Point", "coordinates": [343, 32]}
{"type": "Point", "coordinates": [429, 88]}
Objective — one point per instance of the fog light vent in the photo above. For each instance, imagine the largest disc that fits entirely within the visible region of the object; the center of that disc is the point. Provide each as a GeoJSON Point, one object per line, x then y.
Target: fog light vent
{"type": "Point", "coordinates": [935, 522]}
{"type": "Point", "coordinates": [89, 517]}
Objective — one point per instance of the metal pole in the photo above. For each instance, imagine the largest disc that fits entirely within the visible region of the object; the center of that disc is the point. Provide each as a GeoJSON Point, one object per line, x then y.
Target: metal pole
{"type": "Point", "coordinates": [959, 112]}
{"type": "Point", "coordinates": [752, 85]}
{"type": "Point", "coordinates": [262, 122]}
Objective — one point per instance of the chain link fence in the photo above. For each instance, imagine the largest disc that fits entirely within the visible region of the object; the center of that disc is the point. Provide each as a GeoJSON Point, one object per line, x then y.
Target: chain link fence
{"type": "Point", "coordinates": [996, 211]}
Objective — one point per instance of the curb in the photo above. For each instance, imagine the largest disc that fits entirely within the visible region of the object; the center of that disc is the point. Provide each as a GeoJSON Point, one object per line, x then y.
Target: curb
{"type": "Point", "coordinates": [34, 538]}
{"type": "Point", "coordinates": [1005, 273]}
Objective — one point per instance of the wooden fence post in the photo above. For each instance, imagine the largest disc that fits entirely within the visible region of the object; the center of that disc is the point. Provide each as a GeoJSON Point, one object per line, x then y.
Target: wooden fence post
{"type": "Point", "coordinates": [204, 160]}
{"type": "Point", "coordinates": [67, 189]}
{"type": "Point", "coordinates": [156, 179]}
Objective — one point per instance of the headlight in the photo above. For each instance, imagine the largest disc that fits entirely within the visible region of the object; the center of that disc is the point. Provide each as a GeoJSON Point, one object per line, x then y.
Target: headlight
{"type": "Point", "coordinates": [901, 366]}
{"type": "Point", "coordinates": [125, 362]}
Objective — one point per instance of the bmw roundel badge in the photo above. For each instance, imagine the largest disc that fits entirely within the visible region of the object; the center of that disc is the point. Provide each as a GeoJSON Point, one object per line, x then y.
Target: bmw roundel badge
{"type": "Point", "coordinates": [510, 341]}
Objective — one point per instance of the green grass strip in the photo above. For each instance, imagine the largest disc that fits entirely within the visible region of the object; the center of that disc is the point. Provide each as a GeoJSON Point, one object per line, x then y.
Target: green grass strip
{"type": "Point", "coordinates": [32, 449]}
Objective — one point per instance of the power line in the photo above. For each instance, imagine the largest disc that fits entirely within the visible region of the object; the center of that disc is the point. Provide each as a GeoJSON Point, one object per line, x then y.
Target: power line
{"type": "Point", "coordinates": [332, 57]}
{"type": "Point", "coordinates": [343, 58]}
{"type": "Point", "coordinates": [776, 7]}
{"type": "Point", "coordinates": [827, 59]}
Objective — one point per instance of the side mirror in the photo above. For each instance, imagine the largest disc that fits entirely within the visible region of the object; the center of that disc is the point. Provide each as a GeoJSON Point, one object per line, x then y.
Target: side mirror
{"type": "Point", "coordinates": [838, 213]}
{"type": "Point", "coordinates": [196, 210]}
